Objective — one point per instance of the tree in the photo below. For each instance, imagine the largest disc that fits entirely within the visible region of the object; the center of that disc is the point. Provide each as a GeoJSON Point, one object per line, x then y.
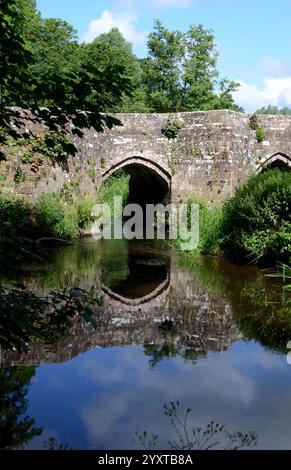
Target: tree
{"type": "Point", "coordinates": [273, 110]}
{"type": "Point", "coordinates": [56, 60]}
{"type": "Point", "coordinates": [42, 64]}
{"type": "Point", "coordinates": [180, 72]}
{"type": "Point", "coordinates": [112, 50]}
{"type": "Point", "coordinates": [14, 52]}
{"type": "Point", "coordinates": [162, 69]}
{"type": "Point", "coordinates": [199, 68]}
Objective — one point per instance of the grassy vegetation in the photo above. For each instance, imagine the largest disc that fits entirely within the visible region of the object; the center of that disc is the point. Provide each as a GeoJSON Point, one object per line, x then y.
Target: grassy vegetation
{"type": "Point", "coordinates": [256, 222]}
{"type": "Point", "coordinates": [262, 310]}
{"type": "Point", "coordinates": [116, 185]}
{"type": "Point", "coordinates": [210, 228]}
{"type": "Point", "coordinates": [284, 273]}
{"type": "Point", "coordinates": [254, 225]}
{"type": "Point", "coordinates": [14, 216]}
{"type": "Point", "coordinates": [59, 214]}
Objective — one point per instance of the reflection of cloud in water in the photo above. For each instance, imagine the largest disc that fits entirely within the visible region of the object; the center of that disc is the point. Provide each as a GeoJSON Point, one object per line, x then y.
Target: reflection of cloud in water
{"type": "Point", "coordinates": [224, 389]}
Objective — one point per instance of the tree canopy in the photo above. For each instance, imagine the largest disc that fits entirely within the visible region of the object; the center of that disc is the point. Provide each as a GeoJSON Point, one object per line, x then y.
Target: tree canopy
{"type": "Point", "coordinates": [274, 110]}
{"type": "Point", "coordinates": [180, 72]}
{"type": "Point", "coordinates": [44, 65]}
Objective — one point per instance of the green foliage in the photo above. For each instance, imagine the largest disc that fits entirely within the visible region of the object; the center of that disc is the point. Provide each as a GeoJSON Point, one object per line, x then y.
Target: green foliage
{"type": "Point", "coordinates": [14, 216]}
{"type": "Point", "coordinates": [19, 175]}
{"type": "Point", "coordinates": [58, 214]}
{"type": "Point", "coordinates": [46, 69]}
{"type": "Point", "coordinates": [210, 223]}
{"type": "Point", "coordinates": [67, 193]}
{"type": "Point", "coordinates": [26, 158]}
{"type": "Point", "coordinates": [260, 134]}
{"type": "Point", "coordinates": [54, 145]}
{"type": "Point", "coordinates": [84, 211]}
{"type": "Point", "coordinates": [25, 316]}
{"type": "Point", "coordinates": [44, 66]}
{"type": "Point", "coordinates": [53, 219]}
{"type": "Point", "coordinates": [180, 72]}
{"type": "Point", "coordinates": [116, 185]}
{"type": "Point", "coordinates": [171, 128]}
{"type": "Point", "coordinates": [91, 174]}
{"type": "Point", "coordinates": [256, 221]}
{"type": "Point", "coordinates": [284, 273]}
{"type": "Point", "coordinates": [14, 52]}
{"type": "Point", "coordinates": [111, 49]}
{"type": "Point", "coordinates": [210, 227]}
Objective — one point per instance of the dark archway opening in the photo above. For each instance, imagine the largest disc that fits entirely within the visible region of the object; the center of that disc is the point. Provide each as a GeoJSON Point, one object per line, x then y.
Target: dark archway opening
{"type": "Point", "coordinates": [278, 161]}
{"type": "Point", "coordinates": [146, 186]}
{"type": "Point", "coordinates": [148, 183]}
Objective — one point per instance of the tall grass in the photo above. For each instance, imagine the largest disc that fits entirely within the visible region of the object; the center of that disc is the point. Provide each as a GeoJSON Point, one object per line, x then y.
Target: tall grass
{"type": "Point", "coordinates": [284, 273]}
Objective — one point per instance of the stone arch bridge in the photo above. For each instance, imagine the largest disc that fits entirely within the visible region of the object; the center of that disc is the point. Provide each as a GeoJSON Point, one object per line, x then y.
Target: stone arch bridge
{"type": "Point", "coordinates": [213, 152]}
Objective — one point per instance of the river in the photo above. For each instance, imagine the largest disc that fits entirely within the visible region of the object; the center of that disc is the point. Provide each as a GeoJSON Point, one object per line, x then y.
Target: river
{"type": "Point", "coordinates": [169, 335]}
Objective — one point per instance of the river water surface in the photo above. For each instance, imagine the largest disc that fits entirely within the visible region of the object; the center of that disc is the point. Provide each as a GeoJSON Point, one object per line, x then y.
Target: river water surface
{"type": "Point", "coordinates": [170, 335]}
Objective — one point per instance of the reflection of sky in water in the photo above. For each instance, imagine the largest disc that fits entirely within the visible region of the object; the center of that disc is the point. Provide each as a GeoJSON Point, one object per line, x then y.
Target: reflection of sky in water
{"type": "Point", "coordinates": [101, 398]}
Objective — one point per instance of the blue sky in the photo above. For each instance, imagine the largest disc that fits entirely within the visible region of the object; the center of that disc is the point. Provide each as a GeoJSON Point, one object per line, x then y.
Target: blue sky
{"type": "Point", "coordinates": [253, 37]}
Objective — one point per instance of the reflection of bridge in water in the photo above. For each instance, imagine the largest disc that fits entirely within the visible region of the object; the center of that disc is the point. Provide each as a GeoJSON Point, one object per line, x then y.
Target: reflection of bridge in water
{"type": "Point", "coordinates": [156, 303]}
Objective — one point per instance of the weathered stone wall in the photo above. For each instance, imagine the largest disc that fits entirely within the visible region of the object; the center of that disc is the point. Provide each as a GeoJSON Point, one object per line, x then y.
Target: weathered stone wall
{"type": "Point", "coordinates": [213, 153]}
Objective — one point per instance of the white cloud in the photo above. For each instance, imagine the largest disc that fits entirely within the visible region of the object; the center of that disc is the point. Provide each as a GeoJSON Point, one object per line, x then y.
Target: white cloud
{"type": "Point", "coordinates": [124, 22]}
{"type": "Point", "coordinates": [274, 91]}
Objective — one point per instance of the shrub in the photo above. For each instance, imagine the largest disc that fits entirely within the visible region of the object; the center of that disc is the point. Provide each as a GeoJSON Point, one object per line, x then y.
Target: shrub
{"type": "Point", "coordinates": [19, 175]}
{"type": "Point", "coordinates": [84, 210]}
{"type": "Point", "coordinates": [53, 218]}
{"type": "Point", "coordinates": [257, 222]}
{"type": "Point", "coordinates": [171, 129]}
{"type": "Point", "coordinates": [54, 145]}
{"type": "Point", "coordinates": [260, 134]}
{"type": "Point", "coordinates": [14, 216]}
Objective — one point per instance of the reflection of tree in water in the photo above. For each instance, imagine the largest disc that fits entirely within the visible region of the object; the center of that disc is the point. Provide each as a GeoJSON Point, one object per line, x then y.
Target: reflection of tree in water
{"type": "Point", "coordinates": [16, 428]}
{"type": "Point", "coordinates": [169, 348]}
{"type": "Point", "coordinates": [261, 308]}
{"type": "Point", "coordinates": [269, 318]}
{"type": "Point", "coordinates": [24, 315]}
{"type": "Point", "coordinates": [189, 437]}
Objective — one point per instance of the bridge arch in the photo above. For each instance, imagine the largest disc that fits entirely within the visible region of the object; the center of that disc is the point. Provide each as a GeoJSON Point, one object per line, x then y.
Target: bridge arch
{"type": "Point", "coordinates": [278, 160]}
{"type": "Point", "coordinates": [149, 182]}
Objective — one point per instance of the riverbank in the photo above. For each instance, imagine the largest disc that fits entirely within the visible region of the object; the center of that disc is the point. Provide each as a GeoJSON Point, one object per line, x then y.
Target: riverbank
{"type": "Point", "coordinates": [254, 226]}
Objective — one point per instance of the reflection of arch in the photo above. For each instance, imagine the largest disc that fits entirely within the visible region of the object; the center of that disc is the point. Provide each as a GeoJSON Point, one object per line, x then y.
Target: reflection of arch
{"type": "Point", "coordinates": [149, 182]}
{"type": "Point", "coordinates": [278, 160]}
{"type": "Point", "coordinates": [143, 300]}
